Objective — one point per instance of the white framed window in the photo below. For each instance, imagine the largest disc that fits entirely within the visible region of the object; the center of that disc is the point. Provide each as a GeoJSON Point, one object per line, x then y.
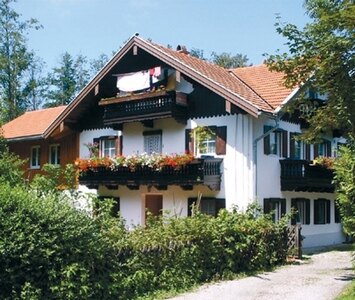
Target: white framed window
{"type": "Point", "coordinates": [275, 206]}
{"type": "Point", "coordinates": [54, 154]}
{"type": "Point", "coordinates": [208, 206]}
{"type": "Point", "coordinates": [108, 147]}
{"type": "Point", "coordinates": [295, 146]}
{"type": "Point", "coordinates": [321, 211]}
{"type": "Point", "coordinates": [35, 162]}
{"type": "Point", "coordinates": [153, 141]}
{"type": "Point", "coordinates": [301, 207]}
{"type": "Point", "coordinates": [275, 143]}
{"type": "Point", "coordinates": [205, 140]}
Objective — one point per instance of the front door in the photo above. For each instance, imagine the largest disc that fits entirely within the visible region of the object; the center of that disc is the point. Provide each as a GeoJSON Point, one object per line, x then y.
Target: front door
{"type": "Point", "coordinates": [153, 204]}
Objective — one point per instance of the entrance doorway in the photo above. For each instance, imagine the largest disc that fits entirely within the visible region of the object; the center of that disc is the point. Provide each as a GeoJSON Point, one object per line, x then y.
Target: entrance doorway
{"type": "Point", "coordinates": [153, 204]}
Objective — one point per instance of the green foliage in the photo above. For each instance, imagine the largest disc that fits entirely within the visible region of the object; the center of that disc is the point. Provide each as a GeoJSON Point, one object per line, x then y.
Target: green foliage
{"type": "Point", "coordinates": [229, 61]}
{"type": "Point", "coordinates": [345, 186]}
{"type": "Point", "coordinates": [322, 54]}
{"type": "Point", "coordinates": [10, 166]}
{"type": "Point", "coordinates": [15, 59]}
{"type": "Point", "coordinates": [49, 250]}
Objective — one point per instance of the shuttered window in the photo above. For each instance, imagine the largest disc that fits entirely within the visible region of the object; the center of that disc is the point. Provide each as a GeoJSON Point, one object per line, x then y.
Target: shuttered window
{"type": "Point", "coordinates": [295, 146]}
{"type": "Point", "coordinates": [209, 206]}
{"type": "Point", "coordinates": [214, 144]}
{"type": "Point", "coordinates": [301, 206]}
{"type": "Point", "coordinates": [276, 142]}
{"type": "Point", "coordinates": [275, 206]}
{"type": "Point", "coordinates": [109, 146]}
{"type": "Point", "coordinates": [321, 211]}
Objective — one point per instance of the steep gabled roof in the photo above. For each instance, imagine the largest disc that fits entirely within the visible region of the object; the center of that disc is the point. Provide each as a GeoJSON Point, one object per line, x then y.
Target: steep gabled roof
{"type": "Point", "coordinates": [31, 124]}
{"type": "Point", "coordinates": [267, 84]}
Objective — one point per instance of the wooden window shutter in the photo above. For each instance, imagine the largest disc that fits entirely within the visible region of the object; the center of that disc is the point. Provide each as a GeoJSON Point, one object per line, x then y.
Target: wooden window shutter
{"type": "Point", "coordinates": [315, 150]}
{"type": "Point", "coordinates": [220, 204]}
{"type": "Point", "coordinates": [308, 211]}
{"type": "Point", "coordinates": [267, 205]}
{"type": "Point", "coordinates": [328, 211]}
{"type": "Point", "coordinates": [221, 140]}
{"type": "Point", "coordinates": [328, 149]}
{"type": "Point", "coordinates": [267, 141]}
{"type": "Point", "coordinates": [118, 142]}
{"type": "Point", "coordinates": [307, 151]}
{"type": "Point", "coordinates": [284, 143]}
{"type": "Point", "coordinates": [189, 141]}
{"type": "Point", "coordinates": [294, 207]}
{"type": "Point", "coordinates": [292, 144]}
{"type": "Point", "coordinates": [283, 206]}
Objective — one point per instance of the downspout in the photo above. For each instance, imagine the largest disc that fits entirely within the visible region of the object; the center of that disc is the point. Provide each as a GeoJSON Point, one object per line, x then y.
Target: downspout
{"type": "Point", "coordinates": [255, 153]}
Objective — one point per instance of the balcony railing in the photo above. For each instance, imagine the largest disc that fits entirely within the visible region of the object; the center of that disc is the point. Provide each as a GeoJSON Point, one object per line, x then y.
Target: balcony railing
{"type": "Point", "coordinates": [145, 106]}
{"type": "Point", "coordinates": [300, 175]}
{"type": "Point", "coordinates": [199, 172]}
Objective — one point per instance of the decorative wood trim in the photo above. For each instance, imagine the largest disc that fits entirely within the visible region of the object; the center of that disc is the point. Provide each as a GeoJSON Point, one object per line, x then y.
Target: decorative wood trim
{"type": "Point", "coordinates": [134, 97]}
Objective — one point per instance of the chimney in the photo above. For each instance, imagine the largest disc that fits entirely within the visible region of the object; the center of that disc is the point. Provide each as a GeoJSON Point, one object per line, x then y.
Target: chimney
{"type": "Point", "coordinates": [182, 49]}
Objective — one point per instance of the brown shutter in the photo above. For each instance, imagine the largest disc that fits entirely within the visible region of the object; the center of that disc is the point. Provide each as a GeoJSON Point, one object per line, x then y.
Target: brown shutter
{"type": "Point", "coordinates": [267, 141]}
{"type": "Point", "coordinates": [292, 145]}
{"type": "Point", "coordinates": [221, 140]}
{"type": "Point", "coordinates": [328, 149]}
{"type": "Point", "coordinates": [189, 141]}
{"type": "Point", "coordinates": [307, 151]}
{"type": "Point", "coordinates": [118, 142]}
{"type": "Point", "coordinates": [284, 143]}
{"type": "Point", "coordinates": [315, 150]}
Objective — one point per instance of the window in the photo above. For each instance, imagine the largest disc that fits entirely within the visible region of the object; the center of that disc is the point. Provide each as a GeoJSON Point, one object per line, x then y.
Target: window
{"type": "Point", "coordinates": [209, 206]}
{"type": "Point", "coordinates": [108, 146]}
{"type": "Point", "coordinates": [54, 154]}
{"type": "Point", "coordinates": [323, 149]}
{"type": "Point", "coordinates": [208, 140]}
{"type": "Point", "coordinates": [35, 157]}
{"type": "Point", "coordinates": [302, 209]}
{"type": "Point", "coordinates": [153, 141]}
{"type": "Point", "coordinates": [276, 142]}
{"type": "Point", "coordinates": [295, 146]}
{"type": "Point", "coordinates": [276, 206]}
{"type": "Point", "coordinates": [321, 211]}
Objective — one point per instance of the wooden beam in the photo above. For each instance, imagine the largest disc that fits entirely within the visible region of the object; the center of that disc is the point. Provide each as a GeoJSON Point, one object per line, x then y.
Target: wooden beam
{"type": "Point", "coordinates": [135, 50]}
{"type": "Point", "coordinates": [228, 107]}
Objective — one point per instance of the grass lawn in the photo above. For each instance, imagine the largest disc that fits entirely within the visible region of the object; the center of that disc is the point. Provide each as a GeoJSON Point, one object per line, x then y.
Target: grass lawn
{"type": "Point", "coordinates": [348, 293]}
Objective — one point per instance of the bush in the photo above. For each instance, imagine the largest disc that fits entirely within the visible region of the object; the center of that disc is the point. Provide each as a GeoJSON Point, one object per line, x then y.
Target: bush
{"type": "Point", "coordinates": [50, 250]}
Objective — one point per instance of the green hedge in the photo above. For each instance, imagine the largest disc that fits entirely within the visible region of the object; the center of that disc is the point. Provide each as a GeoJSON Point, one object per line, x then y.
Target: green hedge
{"type": "Point", "coordinates": [48, 250]}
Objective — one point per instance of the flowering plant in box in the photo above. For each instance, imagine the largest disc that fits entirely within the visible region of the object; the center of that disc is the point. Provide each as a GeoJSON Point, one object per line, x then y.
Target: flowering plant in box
{"type": "Point", "coordinates": [132, 162]}
{"type": "Point", "coordinates": [326, 162]}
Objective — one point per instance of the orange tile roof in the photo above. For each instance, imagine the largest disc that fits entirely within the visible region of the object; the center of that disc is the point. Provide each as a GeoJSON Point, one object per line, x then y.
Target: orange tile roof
{"type": "Point", "coordinates": [32, 123]}
{"type": "Point", "coordinates": [266, 83]}
{"type": "Point", "coordinates": [222, 77]}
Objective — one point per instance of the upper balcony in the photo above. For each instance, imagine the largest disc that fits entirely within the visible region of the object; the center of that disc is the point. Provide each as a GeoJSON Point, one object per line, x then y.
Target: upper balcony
{"type": "Point", "coordinates": [197, 172]}
{"type": "Point", "coordinates": [145, 107]}
{"type": "Point", "coordinates": [300, 175]}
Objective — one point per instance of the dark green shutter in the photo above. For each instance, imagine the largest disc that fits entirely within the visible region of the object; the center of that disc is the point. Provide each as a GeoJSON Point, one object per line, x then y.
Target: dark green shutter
{"type": "Point", "coordinates": [328, 149]}
{"type": "Point", "coordinates": [307, 155]}
{"type": "Point", "coordinates": [308, 211]}
{"type": "Point", "coordinates": [284, 144]}
{"type": "Point", "coordinates": [294, 207]}
{"type": "Point", "coordinates": [220, 204]}
{"type": "Point", "coordinates": [267, 206]}
{"type": "Point", "coordinates": [292, 144]}
{"type": "Point", "coordinates": [267, 140]}
{"type": "Point", "coordinates": [315, 150]}
{"type": "Point", "coordinates": [328, 211]}
{"type": "Point", "coordinates": [283, 207]}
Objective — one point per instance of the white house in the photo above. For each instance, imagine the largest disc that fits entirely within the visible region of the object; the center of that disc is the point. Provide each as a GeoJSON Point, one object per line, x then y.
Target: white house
{"type": "Point", "coordinates": [150, 99]}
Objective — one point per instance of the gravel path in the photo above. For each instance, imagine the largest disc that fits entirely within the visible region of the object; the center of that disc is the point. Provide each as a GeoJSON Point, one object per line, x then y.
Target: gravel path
{"type": "Point", "coordinates": [322, 277]}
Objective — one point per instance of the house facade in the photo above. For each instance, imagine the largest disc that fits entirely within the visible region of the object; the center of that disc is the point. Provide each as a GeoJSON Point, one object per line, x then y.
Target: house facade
{"type": "Point", "coordinates": [227, 126]}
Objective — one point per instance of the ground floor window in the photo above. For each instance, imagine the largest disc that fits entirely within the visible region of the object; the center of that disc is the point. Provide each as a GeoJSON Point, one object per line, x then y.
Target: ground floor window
{"type": "Point", "coordinates": [275, 206]}
{"type": "Point", "coordinates": [54, 154]}
{"type": "Point", "coordinates": [35, 162]}
{"type": "Point", "coordinates": [321, 211]}
{"type": "Point", "coordinates": [301, 207]}
{"type": "Point", "coordinates": [209, 206]}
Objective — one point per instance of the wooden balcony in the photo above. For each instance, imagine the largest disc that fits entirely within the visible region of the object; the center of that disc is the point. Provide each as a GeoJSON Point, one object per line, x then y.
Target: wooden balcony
{"type": "Point", "coordinates": [145, 107]}
{"type": "Point", "coordinates": [199, 172]}
{"type": "Point", "coordinates": [299, 175]}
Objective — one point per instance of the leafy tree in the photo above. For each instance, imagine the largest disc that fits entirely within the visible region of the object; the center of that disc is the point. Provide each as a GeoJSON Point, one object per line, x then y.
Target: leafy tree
{"type": "Point", "coordinates": [15, 59]}
{"type": "Point", "coordinates": [97, 64]}
{"type": "Point", "coordinates": [195, 52]}
{"type": "Point", "coordinates": [229, 61]}
{"type": "Point", "coordinates": [322, 54]}
{"type": "Point", "coordinates": [34, 90]}
{"type": "Point", "coordinates": [82, 74]}
{"type": "Point", "coordinates": [62, 82]}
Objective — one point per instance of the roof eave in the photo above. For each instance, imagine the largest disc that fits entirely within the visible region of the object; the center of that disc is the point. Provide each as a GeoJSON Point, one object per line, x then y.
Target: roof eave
{"type": "Point", "coordinates": [25, 138]}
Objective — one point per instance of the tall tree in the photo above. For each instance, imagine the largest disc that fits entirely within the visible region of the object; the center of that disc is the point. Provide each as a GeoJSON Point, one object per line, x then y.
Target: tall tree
{"type": "Point", "coordinates": [97, 64]}
{"type": "Point", "coordinates": [62, 82]}
{"type": "Point", "coordinates": [82, 73]}
{"type": "Point", "coordinates": [322, 55]}
{"type": "Point", "coordinates": [34, 90]}
{"type": "Point", "coordinates": [229, 61]}
{"type": "Point", "coordinates": [15, 58]}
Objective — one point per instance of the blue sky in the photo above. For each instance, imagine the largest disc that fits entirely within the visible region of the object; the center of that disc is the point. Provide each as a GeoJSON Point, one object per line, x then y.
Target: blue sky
{"type": "Point", "coordinates": [92, 27]}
